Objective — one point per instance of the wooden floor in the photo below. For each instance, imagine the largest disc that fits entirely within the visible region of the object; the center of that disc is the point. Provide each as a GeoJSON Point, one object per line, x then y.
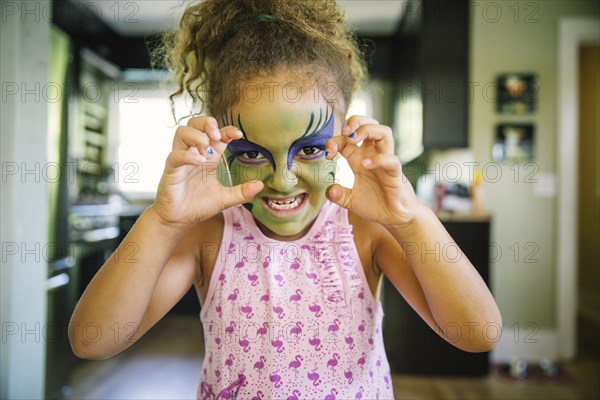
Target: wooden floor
{"type": "Point", "coordinates": [165, 364]}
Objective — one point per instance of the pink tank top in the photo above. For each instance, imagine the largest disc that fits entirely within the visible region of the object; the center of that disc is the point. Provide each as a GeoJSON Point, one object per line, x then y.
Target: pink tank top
{"type": "Point", "coordinates": [292, 320]}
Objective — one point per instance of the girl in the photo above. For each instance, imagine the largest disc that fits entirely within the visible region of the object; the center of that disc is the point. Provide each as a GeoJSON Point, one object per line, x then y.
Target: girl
{"type": "Point", "coordinates": [287, 264]}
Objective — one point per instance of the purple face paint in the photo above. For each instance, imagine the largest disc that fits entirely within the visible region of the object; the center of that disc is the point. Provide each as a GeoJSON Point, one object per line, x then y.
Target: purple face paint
{"type": "Point", "coordinates": [322, 132]}
{"type": "Point", "coordinates": [242, 146]}
{"type": "Point", "coordinates": [316, 139]}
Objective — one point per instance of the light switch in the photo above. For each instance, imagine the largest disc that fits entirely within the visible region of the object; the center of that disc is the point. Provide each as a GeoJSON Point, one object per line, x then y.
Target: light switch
{"type": "Point", "coordinates": [545, 186]}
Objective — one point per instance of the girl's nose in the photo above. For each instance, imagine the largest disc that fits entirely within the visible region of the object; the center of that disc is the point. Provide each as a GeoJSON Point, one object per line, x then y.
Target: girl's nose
{"type": "Point", "coordinates": [284, 179]}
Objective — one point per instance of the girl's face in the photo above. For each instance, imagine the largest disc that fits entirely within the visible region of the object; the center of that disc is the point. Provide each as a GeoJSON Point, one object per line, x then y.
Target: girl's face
{"type": "Point", "coordinates": [284, 146]}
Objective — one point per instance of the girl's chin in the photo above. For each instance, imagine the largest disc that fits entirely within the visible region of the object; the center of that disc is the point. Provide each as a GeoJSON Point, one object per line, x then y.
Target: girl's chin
{"type": "Point", "coordinates": [283, 233]}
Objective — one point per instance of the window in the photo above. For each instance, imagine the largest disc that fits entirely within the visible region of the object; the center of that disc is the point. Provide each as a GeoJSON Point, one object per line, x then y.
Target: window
{"type": "Point", "coordinates": [145, 129]}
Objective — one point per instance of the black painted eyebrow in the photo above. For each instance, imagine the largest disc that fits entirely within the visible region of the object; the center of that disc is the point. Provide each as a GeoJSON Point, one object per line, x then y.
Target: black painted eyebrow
{"type": "Point", "coordinates": [316, 138]}
{"type": "Point", "coordinates": [317, 127]}
{"type": "Point", "coordinates": [312, 118]}
{"type": "Point", "coordinates": [241, 127]}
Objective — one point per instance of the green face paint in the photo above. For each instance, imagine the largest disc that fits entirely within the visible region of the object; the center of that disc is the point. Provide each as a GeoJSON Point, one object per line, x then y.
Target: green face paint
{"type": "Point", "coordinates": [283, 146]}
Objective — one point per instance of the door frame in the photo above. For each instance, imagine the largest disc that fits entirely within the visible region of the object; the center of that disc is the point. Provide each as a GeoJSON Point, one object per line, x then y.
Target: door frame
{"type": "Point", "coordinates": [573, 31]}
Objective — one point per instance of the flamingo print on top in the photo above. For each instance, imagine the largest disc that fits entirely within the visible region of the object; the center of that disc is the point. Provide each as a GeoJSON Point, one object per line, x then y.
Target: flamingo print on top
{"type": "Point", "coordinates": [292, 319]}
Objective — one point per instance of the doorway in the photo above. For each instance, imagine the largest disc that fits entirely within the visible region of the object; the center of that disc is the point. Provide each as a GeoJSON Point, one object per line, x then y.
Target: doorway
{"type": "Point", "coordinates": [573, 33]}
{"type": "Point", "coordinates": [588, 279]}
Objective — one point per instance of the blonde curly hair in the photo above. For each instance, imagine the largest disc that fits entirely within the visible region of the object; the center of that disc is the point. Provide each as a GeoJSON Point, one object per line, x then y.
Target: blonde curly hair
{"type": "Point", "coordinates": [220, 43]}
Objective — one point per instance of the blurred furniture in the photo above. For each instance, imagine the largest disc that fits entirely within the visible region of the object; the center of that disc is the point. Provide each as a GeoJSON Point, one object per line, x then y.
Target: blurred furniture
{"type": "Point", "coordinates": [432, 67]}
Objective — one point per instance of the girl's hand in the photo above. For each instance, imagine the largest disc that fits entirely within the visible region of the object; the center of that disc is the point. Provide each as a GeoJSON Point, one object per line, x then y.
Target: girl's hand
{"type": "Point", "coordinates": [381, 192]}
{"type": "Point", "coordinates": [189, 191]}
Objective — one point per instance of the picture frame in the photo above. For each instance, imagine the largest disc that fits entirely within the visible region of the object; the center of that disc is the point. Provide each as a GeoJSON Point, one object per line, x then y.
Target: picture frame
{"type": "Point", "coordinates": [517, 93]}
{"type": "Point", "coordinates": [514, 142]}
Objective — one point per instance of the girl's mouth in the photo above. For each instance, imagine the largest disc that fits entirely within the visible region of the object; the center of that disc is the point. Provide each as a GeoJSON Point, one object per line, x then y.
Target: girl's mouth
{"type": "Point", "coordinates": [284, 204]}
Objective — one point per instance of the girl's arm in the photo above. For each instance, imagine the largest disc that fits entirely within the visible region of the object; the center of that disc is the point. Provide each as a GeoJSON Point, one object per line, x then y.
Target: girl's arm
{"type": "Point", "coordinates": [126, 298]}
{"type": "Point", "coordinates": [445, 291]}
{"type": "Point", "coordinates": [437, 279]}
{"type": "Point", "coordinates": [141, 281]}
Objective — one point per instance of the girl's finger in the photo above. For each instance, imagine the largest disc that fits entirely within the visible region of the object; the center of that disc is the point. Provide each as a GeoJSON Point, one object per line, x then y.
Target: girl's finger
{"type": "Point", "coordinates": [206, 124]}
{"type": "Point", "coordinates": [339, 144]}
{"type": "Point", "coordinates": [340, 195]}
{"type": "Point", "coordinates": [186, 137]}
{"type": "Point", "coordinates": [179, 158]}
{"type": "Point", "coordinates": [380, 136]}
{"type": "Point", "coordinates": [229, 133]}
{"type": "Point", "coordinates": [355, 122]}
{"type": "Point", "coordinates": [240, 194]}
{"type": "Point", "coordinates": [390, 163]}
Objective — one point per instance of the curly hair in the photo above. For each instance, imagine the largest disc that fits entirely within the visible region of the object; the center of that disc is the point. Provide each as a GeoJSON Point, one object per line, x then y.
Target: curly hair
{"type": "Point", "coordinates": [220, 43]}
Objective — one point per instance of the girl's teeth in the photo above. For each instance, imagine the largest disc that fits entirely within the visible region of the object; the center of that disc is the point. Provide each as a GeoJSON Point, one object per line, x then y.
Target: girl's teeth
{"type": "Point", "coordinates": [285, 204]}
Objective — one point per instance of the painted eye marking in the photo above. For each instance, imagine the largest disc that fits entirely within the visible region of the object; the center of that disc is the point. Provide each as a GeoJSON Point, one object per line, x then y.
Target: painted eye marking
{"type": "Point", "coordinates": [243, 150]}
{"type": "Point", "coordinates": [315, 139]}
{"type": "Point", "coordinates": [312, 119]}
{"type": "Point", "coordinates": [248, 153]}
{"type": "Point", "coordinates": [310, 146]}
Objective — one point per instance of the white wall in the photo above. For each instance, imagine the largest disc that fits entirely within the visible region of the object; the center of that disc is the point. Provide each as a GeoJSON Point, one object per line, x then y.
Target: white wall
{"type": "Point", "coordinates": [24, 201]}
{"type": "Point", "coordinates": [521, 37]}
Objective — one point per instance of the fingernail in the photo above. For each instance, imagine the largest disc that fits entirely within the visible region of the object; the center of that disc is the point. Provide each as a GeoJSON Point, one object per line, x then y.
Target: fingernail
{"type": "Point", "coordinates": [366, 162]}
{"type": "Point", "coordinates": [352, 135]}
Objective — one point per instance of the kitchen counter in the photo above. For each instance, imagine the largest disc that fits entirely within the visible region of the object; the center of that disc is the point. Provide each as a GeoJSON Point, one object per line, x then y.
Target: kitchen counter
{"type": "Point", "coordinates": [450, 216]}
{"type": "Point", "coordinates": [132, 210]}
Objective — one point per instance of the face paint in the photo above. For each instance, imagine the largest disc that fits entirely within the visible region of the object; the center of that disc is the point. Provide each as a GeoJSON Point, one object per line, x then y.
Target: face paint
{"type": "Point", "coordinates": [313, 143]}
{"type": "Point", "coordinates": [315, 140]}
{"type": "Point", "coordinates": [284, 146]}
{"type": "Point", "coordinates": [248, 153]}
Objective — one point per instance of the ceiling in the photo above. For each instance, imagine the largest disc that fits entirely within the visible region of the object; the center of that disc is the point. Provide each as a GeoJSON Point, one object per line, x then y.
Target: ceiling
{"type": "Point", "coordinates": [141, 17]}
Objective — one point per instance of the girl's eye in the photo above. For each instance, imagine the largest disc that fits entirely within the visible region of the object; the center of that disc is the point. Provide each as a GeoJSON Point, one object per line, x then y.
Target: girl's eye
{"type": "Point", "coordinates": [309, 151]}
{"type": "Point", "coordinates": [251, 155]}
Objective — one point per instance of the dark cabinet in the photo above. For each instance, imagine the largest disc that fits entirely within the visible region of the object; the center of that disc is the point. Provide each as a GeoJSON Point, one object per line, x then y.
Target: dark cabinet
{"type": "Point", "coordinates": [412, 347]}
{"type": "Point", "coordinates": [432, 68]}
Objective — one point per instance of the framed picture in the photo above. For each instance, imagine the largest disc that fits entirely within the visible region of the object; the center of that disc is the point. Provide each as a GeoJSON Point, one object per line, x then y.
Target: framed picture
{"type": "Point", "coordinates": [514, 142]}
{"type": "Point", "coordinates": [517, 93]}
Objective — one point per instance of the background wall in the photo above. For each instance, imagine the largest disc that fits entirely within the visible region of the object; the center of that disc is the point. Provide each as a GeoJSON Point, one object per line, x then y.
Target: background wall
{"type": "Point", "coordinates": [24, 47]}
{"type": "Point", "coordinates": [520, 37]}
